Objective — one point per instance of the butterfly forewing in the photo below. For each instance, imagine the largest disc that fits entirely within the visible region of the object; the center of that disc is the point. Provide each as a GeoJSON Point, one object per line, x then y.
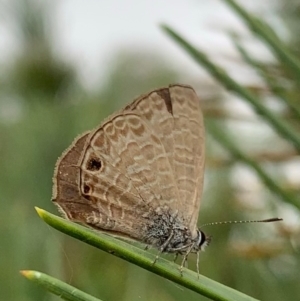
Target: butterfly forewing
{"type": "Point", "coordinates": [149, 155]}
{"type": "Point", "coordinates": [176, 118]}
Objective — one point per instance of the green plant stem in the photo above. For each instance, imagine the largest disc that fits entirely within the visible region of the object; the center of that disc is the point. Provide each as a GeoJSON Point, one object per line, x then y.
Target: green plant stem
{"type": "Point", "coordinates": [221, 138]}
{"type": "Point", "coordinates": [277, 90]}
{"type": "Point", "coordinates": [275, 121]}
{"type": "Point", "coordinates": [144, 259]}
{"type": "Point", "coordinates": [57, 287]}
{"type": "Point", "coordinates": [263, 31]}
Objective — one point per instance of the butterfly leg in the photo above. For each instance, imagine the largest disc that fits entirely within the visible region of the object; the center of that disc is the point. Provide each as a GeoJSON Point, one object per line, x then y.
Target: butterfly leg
{"type": "Point", "coordinates": [184, 259]}
{"type": "Point", "coordinates": [163, 247]}
{"type": "Point", "coordinates": [197, 264]}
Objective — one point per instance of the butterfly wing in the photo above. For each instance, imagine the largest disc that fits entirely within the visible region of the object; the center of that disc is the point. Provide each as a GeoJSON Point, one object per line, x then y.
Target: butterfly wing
{"type": "Point", "coordinates": [175, 116]}
{"type": "Point", "coordinates": [97, 206]}
{"type": "Point", "coordinates": [148, 155]}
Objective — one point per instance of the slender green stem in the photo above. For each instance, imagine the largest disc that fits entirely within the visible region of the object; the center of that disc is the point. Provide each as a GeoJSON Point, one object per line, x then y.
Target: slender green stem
{"type": "Point", "coordinates": [57, 287]}
{"type": "Point", "coordinates": [263, 31]}
{"type": "Point", "coordinates": [271, 82]}
{"type": "Point", "coordinates": [144, 259]}
{"type": "Point", "coordinates": [233, 149]}
{"type": "Point", "coordinates": [276, 122]}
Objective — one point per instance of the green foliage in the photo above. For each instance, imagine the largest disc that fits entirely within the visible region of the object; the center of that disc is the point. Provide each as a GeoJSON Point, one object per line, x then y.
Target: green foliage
{"type": "Point", "coordinates": [164, 268]}
{"type": "Point", "coordinates": [59, 288]}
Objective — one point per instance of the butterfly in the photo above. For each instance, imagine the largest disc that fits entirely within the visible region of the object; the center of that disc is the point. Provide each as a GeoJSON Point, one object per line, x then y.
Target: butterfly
{"type": "Point", "coordinates": [139, 174]}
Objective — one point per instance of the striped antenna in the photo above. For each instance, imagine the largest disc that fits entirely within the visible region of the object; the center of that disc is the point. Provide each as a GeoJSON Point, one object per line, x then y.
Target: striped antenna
{"type": "Point", "coordinates": [269, 220]}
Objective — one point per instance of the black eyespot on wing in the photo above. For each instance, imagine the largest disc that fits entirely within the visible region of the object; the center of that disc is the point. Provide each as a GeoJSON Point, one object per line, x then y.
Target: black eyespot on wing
{"type": "Point", "coordinates": [86, 189]}
{"type": "Point", "coordinates": [94, 164]}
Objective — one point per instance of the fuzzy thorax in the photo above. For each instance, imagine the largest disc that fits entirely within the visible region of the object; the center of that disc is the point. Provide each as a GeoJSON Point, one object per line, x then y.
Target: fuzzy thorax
{"type": "Point", "coordinates": [170, 233]}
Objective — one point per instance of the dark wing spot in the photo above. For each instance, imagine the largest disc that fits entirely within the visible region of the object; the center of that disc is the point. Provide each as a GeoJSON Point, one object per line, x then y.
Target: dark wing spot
{"type": "Point", "coordinates": [86, 189]}
{"type": "Point", "coordinates": [165, 95]}
{"type": "Point", "coordinates": [94, 164]}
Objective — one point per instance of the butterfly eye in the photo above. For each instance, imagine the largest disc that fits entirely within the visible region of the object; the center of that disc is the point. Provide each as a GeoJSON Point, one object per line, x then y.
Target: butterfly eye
{"type": "Point", "coordinates": [94, 164]}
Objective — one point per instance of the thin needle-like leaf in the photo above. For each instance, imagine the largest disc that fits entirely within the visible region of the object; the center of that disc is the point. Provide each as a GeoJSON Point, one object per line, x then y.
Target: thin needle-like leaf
{"type": "Point", "coordinates": [144, 259]}
{"type": "Point", "coordinates": [263, 31]}
{"type": "Point", "coordinates": [240, 156]}
{"type": "Point", "coordinates": [282, 128]}
{"type": "Point", "coordinates": [58, 287]}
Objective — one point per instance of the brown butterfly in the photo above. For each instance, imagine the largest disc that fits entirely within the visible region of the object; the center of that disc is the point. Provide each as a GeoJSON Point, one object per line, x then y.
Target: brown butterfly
{"type": "Point", "coordinates": [139, 175]}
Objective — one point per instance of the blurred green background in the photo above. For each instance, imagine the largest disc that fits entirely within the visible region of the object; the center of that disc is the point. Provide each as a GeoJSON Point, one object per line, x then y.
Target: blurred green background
{"type": "Point", "coordinates": [44, 106]}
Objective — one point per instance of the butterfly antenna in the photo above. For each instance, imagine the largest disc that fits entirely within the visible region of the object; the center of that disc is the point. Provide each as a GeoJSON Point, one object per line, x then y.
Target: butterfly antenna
{"type": "Point", "coordinates": [269, 220]}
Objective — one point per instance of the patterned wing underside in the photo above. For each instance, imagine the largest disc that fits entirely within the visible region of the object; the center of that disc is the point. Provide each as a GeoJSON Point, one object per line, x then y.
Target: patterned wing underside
{"type": "Point", "coordinates": [135, 173]}
{"type": "Point", "coordinates": [176, 117]}
{"type": "Point", "coordinates": [151, 154]}
{"type": "Point", "coordinates": [78, 206]}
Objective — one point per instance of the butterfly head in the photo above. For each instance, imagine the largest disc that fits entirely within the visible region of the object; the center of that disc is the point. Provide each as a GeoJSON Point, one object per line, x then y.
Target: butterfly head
{"type": "Point", "coordinates": [202, 241]}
